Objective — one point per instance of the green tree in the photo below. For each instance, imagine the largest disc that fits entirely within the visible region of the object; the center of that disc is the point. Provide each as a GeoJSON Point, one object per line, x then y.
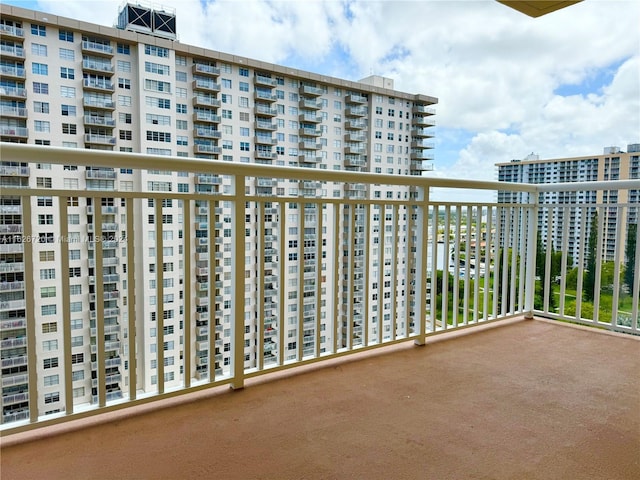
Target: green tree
{"type": "Point", "coordinates": [630, 255]}
{"type": "Point", "coordinates": [590, 275]}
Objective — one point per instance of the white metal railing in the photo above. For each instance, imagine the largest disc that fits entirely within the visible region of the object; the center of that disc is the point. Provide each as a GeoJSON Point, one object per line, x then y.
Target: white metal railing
{"type": "Point", "coordinates": [269, 281]}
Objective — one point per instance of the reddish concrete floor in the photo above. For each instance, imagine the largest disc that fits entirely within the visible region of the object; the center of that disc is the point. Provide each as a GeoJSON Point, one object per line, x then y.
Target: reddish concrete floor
{"type": "Point", "coordinates": [522, 400]}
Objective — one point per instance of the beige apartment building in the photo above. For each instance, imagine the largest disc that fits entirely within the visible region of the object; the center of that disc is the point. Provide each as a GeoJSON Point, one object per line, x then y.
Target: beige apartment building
{"type": "Point", "coordinates": [613, 164]}
{"type": "Point", "coordinates": [136, 88]}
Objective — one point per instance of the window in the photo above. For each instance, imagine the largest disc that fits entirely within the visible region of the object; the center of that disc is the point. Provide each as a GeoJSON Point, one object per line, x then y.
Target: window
{"type": "Point", "coordinates": [42, 126]}
{"type": "Point", "coordinates": [47, 256]}
{"type": "Point", "coordinates": [158, 136]}
{"type": "Point", "coordinates": [67, 73]}
{"type": "Point", "coordinates": [124, 49]}
{"type": "Point", "coordinates": [42, 88]}
{"type": "Point", "coordinates": [46, 310]}
{"type": "Point", "coordinates": [71, 183]}
{"type": "Point", "coordinates": [77, 358]}
{"type": "Point", "coordinates": [38, 30]}
{"type": "Point", "coordinates": [47, 273]}
{"type": "Point", "coordinates": [227, 114]}
{"type": "Point", "coordinates": [67, 54]}
{"type": "Point", "coordinates": [49, 327]}
{"type": "Point", "coordinates": [157, 86]}
{"type": "Point", "coordinates": [181, 108]}
{"type": "Point", "coordinates": [244, 116]}
{"type": "Point", "coordinates": [156, 51]}
{"type": "Point", "coordinates": [69, 128]}
{"type": "Point", "coordinates": [156, 68]}
{"type": "Point", "coordinates": [47, 292]}
{"type": "Point", "coordinates": [182, 92]}
{"type": "Point", "coordinates": [124, 100]}
{"type": "Point", "coordinates": [125, 135]}
{"type": "Point", "coordinates": [74, 254]}
{"type": "Point", "coordinates": [50, 362]}
{"type": "Point", "coordinates": [181, 76]}
{"type": "Point", "coordinates": [123, 66]}
{"type": "Point", "coordinates": [183, 140]}
{"type": "Point", "coordinates": [67, 92]}
{"type": "Point", "coordinates": [75, 289]}
{"type": "Point", "coordinates": [182, 125]}
{"type": "Point", "coordinates": [40, 68]}
{"type": "Point", "coordinates": [69, 110]}
{"type": "Point", "coordinates": [41, 107]}
{"type": "Point", "coordinates": [45, 219]}
{"type": "Point", "coordinates": [243, 72]}
{"type": "Point", "coordinates": [75, 272]}
{"type": "Point", "coordinates": [43, 182]}
{"type": "Point", "coordinates": [158, 102]}
{"type": "Point", "coordinates": [124, 83]}
{"type": "Point", "coordinates": [39, 49]}
{"type": "Point", "coordinates": [50, 345]}
{"type": "Point", "coordinates": [65, 35]}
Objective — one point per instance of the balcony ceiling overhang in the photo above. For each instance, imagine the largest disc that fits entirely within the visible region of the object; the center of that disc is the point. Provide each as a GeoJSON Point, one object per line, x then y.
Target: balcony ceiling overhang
{"type": "Point", "coordinates": [539, 7]}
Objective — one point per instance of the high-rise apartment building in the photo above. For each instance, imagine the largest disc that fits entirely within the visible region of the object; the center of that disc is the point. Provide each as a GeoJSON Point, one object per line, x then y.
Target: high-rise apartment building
{"type": "Point", "coordinates": [136, 88]}
{"type": "Point", "coordinates": [613, 164]}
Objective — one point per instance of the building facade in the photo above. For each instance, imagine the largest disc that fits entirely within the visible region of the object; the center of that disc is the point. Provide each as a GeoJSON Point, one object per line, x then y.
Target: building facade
{"type": "Point", "coordinates": [135, 88]}
{"type": "Point", "coordinates": [613, 164]}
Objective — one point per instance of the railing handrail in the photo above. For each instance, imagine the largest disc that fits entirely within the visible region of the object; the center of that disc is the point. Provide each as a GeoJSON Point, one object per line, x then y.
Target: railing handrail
{"type": "Point", "coordinates": [111, 159]}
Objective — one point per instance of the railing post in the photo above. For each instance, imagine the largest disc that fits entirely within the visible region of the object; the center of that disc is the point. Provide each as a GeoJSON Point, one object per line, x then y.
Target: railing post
{"type": "Point", "coordinates": [531, 248]}
{"type": "Point", "coordinates": [239, 202]}
{"type": "Point", "coordinates": [420, 275]}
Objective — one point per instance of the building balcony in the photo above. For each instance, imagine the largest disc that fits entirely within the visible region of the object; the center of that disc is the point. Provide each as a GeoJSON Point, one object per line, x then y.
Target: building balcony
{"type": "Point", "coordinates": [100, 121]}
{"type": "Point", "coordinates": [104, 104]}
{"type": "Point", "coordinates": [309, 103]}
{"type": "Point", "coordinates": [262, 125]}
{"type": "Point", "coordinates": [263, 80]}
{"type": "Point", "coordinates": [478, 360]}
{"type": "Point", "coordinates": [354, 160]}
{"type": "Point", "coordinates": [13, 92]}
{"type": "Point", "coordinates": [356, 112]}
{"type": "Point", "coordinates": [103, 68]}
{"type": "Point", "coordinates": [355, 98]}
{"type": "Point", "coordinates": [99, 139]}
{"type": "Point", "coordinates": [9, 71]}
{"type": "Point", "coordinates": [355, 137]}
{"type": "Point", "coordinates": [310, 91]}
{"type": "Point", "coordinates": [206, 116]}
{"type": "Point", "coordinates": [98, 86]}
{"type": "Point", "coordinates": [310, 158]}
{"type": "Point", "coordinates": [97, 48]}
{"type": "Point", "coordinates": [265, 110]}
{"type": "Point", "coordinates": [205, 69]}
{"type": "Point", "coordinates": [208, 149]}
{"type": "Point", "coordinates": [355, 124]}
{"type": "Point", "coordinates": [14, 132]}
{"type": "Point", "coordinates": [423, 122]}
{"type": "Point", "coordinates": [422, 110]}
{"type": "Point", "coordinates": [205, 85]}
{"type": "Point", "coordinates": [264, 140]}
{"type": "Point", "coordinates": [264, 96]}
{"type": "Point", "coordinates": [10, 31]}
{"type": "Point", "coordinates": [205, 132]}
{"type": "Point", "coordinates": [421, 155]}
{"type": "Point", "coordinates": [205, 101]}
{"type": "Point", "coordinates": [310, 118]}
{"type": "Point", "coordinates": [12, 51]}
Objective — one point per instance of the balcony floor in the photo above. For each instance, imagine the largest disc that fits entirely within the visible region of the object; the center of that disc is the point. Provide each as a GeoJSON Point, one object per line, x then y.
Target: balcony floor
{"type": "Point", "coordinates": [514, 400]}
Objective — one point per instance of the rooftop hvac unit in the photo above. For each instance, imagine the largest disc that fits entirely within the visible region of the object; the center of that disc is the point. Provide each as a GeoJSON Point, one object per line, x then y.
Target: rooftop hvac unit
{"type": "Point", "coordinates": [146, 19]}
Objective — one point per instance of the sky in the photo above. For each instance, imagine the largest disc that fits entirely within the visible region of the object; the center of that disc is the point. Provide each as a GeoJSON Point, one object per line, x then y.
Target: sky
{"type": "Point", "coordinates": [565, 84]}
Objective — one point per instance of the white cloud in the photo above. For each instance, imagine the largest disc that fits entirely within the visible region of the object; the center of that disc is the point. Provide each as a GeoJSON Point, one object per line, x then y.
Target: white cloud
{"type": "Point", "coordinates": [494, 70]}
